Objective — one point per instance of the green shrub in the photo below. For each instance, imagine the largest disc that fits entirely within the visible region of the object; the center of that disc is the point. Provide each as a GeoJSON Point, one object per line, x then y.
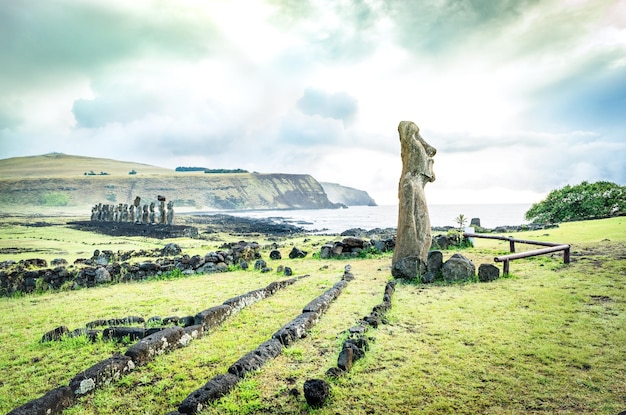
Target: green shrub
{"type": "Point", "coordinates": [583, 201]}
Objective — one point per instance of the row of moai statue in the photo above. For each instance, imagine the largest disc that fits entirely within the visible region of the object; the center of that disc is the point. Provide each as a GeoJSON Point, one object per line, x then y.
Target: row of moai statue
{"type": "Point", "coordinates": [135, 213]}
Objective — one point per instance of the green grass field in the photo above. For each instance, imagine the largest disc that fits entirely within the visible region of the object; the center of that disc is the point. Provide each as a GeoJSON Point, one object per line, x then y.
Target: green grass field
{"type": "Point", "coordinates": [548, 339]}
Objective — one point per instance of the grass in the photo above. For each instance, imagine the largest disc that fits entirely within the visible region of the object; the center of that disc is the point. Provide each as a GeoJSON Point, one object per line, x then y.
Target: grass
{"type": "Point", "coordinates": [548, 339]}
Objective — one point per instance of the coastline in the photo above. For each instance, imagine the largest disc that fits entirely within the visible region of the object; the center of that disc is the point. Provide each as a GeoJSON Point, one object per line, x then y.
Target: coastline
{"type": "Point", "coordinates": [384, 216]}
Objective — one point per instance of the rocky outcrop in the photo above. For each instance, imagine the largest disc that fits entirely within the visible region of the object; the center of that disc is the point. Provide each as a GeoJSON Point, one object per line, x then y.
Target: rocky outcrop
{"type": "Point", "coordinates": [348, 196]}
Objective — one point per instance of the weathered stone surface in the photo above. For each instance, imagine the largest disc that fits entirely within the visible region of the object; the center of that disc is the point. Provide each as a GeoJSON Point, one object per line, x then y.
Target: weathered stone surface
{"type": "Point", "coordinates": [296, 328]}
{"type": "Point", "coordinates": [119, 333]}
{"type": "Point", "coordinates": [53, 402]}
{"type": "Point", "coordinates": [101, 374]}
{"type": "Point", "coordinates": [410, 267]}
{"type": "Point", "coordinates": [458, 268]}
{"type": "Point", "coordinates": [434, 262]}
{"type": "Point", "coordinates": [297, 253]}
{"type": "Point", "coordinates": [255, 359]}
{"type": "Point", "coordinates": [414, 232]}
{"type": "Point", "coordinates": [55, 334]}
{"type": "Point", "coordinates": [214, 389]}
{"type": "Point", "coordinates": [213, 316]}
{"type": "Point", "coordinates": [344, 361]}
{"type": "Point", "coordinates": [158, 343]}
{"type": "Point", "coordinates": [275, 254]}
{"type": "Point", "coordinates": [316, 391]}
{"type": "Point", "coordinates": [321, 303]}
{"type": "Point", "coordinates": [244, 300]}
{"type": "Point", "coordinates": [488, 272]}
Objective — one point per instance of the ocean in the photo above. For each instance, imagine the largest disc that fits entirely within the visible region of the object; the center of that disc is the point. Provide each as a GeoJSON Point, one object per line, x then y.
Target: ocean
{"type": "Point", "coordinates": [386, 216]}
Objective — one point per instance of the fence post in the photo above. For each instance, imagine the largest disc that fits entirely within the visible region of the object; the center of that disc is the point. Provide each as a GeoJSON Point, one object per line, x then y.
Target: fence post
{"type": "Point", "coordinates": [505, 267]}
{"type": "Point", "coordinates": [566, 256]}
{"type": "Point", "coordinates": [511, 245]}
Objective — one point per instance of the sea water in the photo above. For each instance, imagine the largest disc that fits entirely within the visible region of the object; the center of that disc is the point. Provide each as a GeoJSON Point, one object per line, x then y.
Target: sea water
{"type": "Point", "coordinates": [386, 216]}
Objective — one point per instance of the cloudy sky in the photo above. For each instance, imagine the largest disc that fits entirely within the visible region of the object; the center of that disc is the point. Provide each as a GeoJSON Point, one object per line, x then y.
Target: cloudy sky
{"type": "Point", "coordinates": [518, 96]}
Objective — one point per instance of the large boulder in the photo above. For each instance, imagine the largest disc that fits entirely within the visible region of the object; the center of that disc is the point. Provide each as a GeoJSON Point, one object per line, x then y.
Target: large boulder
{"type": "Point", "coordinates": [488, 272]}
{"type": "Point", "coordinates": [458, 268]}
{"type": "Point", "coordinates": [410, 267]}
{"type": "Point", "coordinates": [434, 262]}
{"type": "Point", "coordinates": [316, 391]}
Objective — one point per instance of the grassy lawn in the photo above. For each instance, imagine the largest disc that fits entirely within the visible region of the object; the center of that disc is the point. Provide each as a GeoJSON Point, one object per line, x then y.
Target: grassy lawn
{"type": "Point", "coordinates": [548, 339]}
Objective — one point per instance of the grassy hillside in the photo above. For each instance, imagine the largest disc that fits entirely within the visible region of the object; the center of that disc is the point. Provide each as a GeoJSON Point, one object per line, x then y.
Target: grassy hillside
{"type": "Point", "coordinates": [68, 166]}
{"type": "Point", "coordinates": [57, 182]}
{"type": "Point", "coordinates": [548, 339]}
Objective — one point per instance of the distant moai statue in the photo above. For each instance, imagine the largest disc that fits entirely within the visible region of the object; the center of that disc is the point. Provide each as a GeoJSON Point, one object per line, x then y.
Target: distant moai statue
{"type": "Point", "coordinates": [94, 213]}
{"type": "Point", "coordinates": [131, 213]}
{"type": "Point", "coordinates": [99, 214]}
{"type": "Point", "coordinates": [161, 209]}
{"type": "Point", "coordinates": [105, 213]}
{"type": "Point", "coordinates": [170, 212]}
{"type": "Point", "coordinates": [124, 213]}
{"type": "Point", "coordinates": [137, 204]}
{"type": "Point", "coordinates": [413, 238]}
{"type": "Point", "coordinates": [118, 213]}
{"type": "Point", "coordinates": [152, 215]}
{"type": "Point", "coordinates": [145, 214]}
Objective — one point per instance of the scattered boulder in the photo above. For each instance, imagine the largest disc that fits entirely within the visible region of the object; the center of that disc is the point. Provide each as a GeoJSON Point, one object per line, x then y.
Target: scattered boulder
{"type": "Point", "coordinates": [297, 253]}
{"type": "Point", "coordinates": [102, 275]}
{"type": "Point", "coordinates": [458, 268]}
{"type": "Point", "coordinates": [275, 254]}
{"type": "Point", "coordinates": [410, 267]}
{"type": "Point", "coordinates": [316, 392]}
{"type": "Point", "coordinates": [434, 262]}
{"type": "Point", "coordinates": [488, 272]}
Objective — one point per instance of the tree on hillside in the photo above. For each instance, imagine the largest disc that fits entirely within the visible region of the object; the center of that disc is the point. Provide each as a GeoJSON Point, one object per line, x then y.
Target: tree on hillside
{"type": "Point", "coordinates": [580, 202]}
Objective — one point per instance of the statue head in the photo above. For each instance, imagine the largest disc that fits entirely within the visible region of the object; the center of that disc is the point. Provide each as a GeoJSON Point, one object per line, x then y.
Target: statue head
{"type": "Point", "coordinates": [416, 150]}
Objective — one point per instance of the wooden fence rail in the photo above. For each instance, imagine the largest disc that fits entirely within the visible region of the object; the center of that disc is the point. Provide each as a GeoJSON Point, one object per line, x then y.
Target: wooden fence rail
{"type": "Point", "coordinates": [505, 259]}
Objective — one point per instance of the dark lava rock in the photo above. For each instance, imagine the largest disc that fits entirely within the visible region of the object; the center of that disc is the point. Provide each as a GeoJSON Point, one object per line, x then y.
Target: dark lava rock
{"type": "Point", "coordinates": [316, 391]}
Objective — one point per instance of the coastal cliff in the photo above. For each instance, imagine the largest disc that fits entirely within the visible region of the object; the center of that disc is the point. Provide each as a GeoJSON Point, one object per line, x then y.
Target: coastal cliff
{"type": "Point", "coordinates": [348, 196]}
{"type": "Point", "coordinates": [58, 180]}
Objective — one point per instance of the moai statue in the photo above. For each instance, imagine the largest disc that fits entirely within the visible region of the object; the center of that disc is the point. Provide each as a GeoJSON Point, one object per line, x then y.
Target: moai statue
{"type": "Point", "coordinates": [137, 204]}
{"type": "Point", "coordinates": [161, 210]}
{"type": "Point", "coordinates": [131, 213]}
{"type": "Point", "coordinates": [105, 213]}
{"type": "Point", "coordinates": [152, 218]}
{"type": "Point", "coordinates": [125, 213]}
{"type": "Point", "coordinates": [99, 215]}
{"type": "Point", "coordinates": [170, 212]}
{"type": "Point", "coordinates": [145, 215]}
{"type": "Point", "coordinates": [413, 238]}
{"type": "Point", "coordinates": [118, 213]}
{"type": "Point", "coordinates": [94, 213]}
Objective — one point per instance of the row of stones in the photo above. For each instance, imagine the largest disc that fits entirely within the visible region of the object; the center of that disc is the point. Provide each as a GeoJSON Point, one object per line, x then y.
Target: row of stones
{"type": "Point", "coordinates": [456, 268]}
{"type": "Point", "coordinates": [222, 384]}
{"type": "Point", "coordinates": [316, 391]}
{"type": "Point", "coordinates": [142, 352]}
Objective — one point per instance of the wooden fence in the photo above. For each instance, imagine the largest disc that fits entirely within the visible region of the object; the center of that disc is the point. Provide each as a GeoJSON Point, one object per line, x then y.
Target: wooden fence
{"type": "Point", "coordinates": [505, 259]}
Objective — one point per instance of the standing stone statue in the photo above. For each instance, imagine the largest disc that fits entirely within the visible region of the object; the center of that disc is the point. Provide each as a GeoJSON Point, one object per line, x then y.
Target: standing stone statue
{"type": "Point", "coordinates": [137, 204]}
{"type": "Point", "coordinates": [413, 239]}
{"type": "Point", "coordinates": [170, 212]}
{"type": "Point", "coordinates": [162, 211]}
{"type": "Point", "coordinates": [145, 214]}
{"type": "Point", "coordinates": [131, 213]}
{"type": "Point", "coordinates": [152, 215]}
